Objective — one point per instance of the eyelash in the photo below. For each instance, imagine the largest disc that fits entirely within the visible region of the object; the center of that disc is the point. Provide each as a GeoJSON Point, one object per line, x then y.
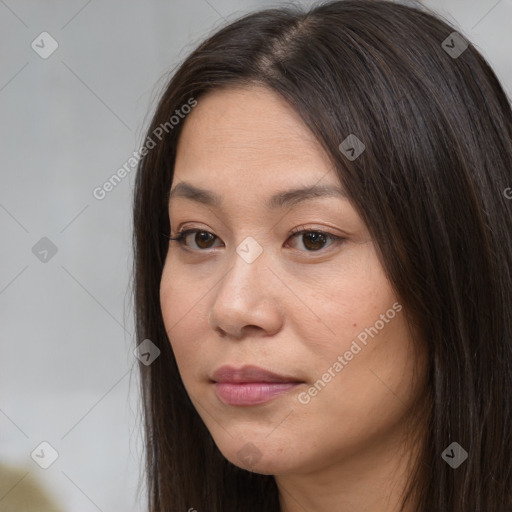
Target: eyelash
{"type": "Point", "coordinates": [182, 235]}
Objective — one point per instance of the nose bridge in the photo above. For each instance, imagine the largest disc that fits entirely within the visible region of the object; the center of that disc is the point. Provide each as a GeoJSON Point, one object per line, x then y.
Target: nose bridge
{"type": "Point", "coordinates": [248, 264]}
{"type": "Point", "coordinates": [244, 285]}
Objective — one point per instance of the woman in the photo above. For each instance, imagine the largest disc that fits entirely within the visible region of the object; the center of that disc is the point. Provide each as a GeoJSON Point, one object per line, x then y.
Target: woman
{"type": "Point", "coordinates": [323, 257]}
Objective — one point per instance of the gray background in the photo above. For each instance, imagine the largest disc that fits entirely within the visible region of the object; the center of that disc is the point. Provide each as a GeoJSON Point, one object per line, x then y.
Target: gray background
{"type": "Point", "coordinates": [67, 372]}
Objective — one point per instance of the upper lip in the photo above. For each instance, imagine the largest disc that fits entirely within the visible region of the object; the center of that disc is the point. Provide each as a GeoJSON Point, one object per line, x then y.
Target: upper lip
{"type": "Point", "coordinates": [249, 374]}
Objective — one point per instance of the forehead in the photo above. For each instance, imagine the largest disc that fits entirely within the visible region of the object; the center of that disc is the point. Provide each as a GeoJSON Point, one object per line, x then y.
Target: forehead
{"type": "Point", "coordinates": [249, 139]}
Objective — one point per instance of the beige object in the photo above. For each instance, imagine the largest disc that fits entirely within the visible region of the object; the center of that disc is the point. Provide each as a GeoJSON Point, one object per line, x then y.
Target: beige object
{"type": "Point", "coordinates": [21, 491]}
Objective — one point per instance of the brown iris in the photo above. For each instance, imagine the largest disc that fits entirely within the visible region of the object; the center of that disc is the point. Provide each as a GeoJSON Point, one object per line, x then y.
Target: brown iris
{"type": "Point", "coordinates": [205, 237]}
{"type": "Point", "coordinates": [318, 240]}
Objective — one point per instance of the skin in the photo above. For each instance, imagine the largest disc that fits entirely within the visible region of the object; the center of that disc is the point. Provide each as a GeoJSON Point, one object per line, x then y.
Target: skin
{"type": "Point", "coordinates": [292, 311]}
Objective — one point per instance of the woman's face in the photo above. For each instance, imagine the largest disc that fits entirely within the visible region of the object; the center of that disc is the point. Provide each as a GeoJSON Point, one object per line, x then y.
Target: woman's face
{"type": "Point", "coordinates": [314, 313]}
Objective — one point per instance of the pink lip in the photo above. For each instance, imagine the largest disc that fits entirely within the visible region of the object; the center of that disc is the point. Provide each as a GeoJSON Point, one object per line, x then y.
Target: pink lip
{"type": "Point", "coordinates": [250, 385]}
{"type": "Point", "coordinates": [250, 393]}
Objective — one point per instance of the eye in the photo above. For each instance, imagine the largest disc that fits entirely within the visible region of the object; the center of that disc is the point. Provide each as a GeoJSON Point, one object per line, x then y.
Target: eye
{"type": "Point", "coordinates": [313, 240]}
{"type": "Point", "coordinates": [202, 238]}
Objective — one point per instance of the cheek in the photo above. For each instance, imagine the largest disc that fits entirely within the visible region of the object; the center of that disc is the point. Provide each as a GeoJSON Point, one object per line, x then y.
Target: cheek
{"type": "Point", "coordinates": [347, 302]}
{"type": "Point", "coordinates": [182, 316]}
{"type": "Point", "coordinates": [367, 330]}
{"type": "Point", "coordinates": [369, 397]}
{"type": "Point", "coordinates": [371, 345]}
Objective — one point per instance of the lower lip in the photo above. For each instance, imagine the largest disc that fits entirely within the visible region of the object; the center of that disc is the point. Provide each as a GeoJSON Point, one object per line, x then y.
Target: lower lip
{"type": "Point", "coordinates": [251, 393]}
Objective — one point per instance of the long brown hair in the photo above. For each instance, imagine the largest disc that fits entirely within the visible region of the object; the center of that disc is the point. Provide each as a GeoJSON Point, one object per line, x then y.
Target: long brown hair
{"type": "Point", "coordinates": [431, 186]}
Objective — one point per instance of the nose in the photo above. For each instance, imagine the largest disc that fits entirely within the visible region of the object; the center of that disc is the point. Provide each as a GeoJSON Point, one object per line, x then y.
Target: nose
{"type": "Point", "coordinates": [246, 301]}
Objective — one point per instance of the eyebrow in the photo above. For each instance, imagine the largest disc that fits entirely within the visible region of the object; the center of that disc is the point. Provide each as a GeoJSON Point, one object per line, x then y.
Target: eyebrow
{"type": "Point", "coordinates": [283, 199]}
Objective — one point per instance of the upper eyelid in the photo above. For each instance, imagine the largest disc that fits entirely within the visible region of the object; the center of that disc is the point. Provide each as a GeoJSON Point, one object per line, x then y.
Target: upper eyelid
{"type": "Point", "coordinates": [296, 231]}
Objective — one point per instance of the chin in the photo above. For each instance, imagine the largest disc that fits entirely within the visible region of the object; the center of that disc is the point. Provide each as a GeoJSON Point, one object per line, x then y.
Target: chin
{"type": "Point", "coordinates": [265, 466]}
{"type": "Point", "coordinates": [262, 457]}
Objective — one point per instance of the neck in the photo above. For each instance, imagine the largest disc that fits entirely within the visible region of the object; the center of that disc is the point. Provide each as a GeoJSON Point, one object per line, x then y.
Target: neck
{"type": "Point", "coordinates": [374, 479]}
